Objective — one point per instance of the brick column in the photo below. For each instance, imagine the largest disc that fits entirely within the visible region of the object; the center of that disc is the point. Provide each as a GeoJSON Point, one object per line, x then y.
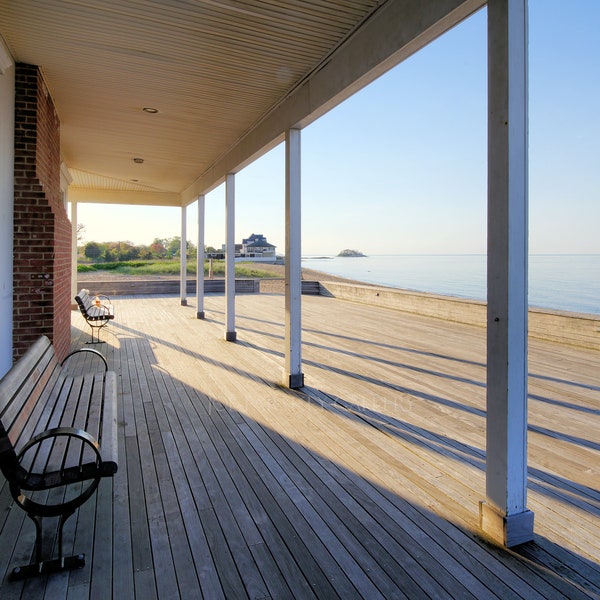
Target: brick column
{"type": "Point", "coordinates": [42, 230]}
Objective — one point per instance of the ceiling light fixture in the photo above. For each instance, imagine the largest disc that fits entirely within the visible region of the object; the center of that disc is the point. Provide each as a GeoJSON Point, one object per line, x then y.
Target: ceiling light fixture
{"type": "Point", "coordinates": [138, 160]}
{"type": "Point", "coordinates": [150, 110]}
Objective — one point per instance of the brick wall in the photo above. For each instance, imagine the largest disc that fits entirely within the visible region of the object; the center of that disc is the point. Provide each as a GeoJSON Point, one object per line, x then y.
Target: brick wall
{"type": "Point", "coordinates": [42, 231]}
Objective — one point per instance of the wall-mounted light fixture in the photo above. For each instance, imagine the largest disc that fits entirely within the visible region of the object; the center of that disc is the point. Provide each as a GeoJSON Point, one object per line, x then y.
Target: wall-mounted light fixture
{"type": "Point", "coordinates": [138, 160]}
{"type": "Point", "coordinates": [150, 110]}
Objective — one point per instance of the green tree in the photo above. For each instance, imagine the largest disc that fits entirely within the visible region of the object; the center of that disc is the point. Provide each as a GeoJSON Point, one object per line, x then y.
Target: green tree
{"type": "Point", "coordinates": [144, 253]}
{"type": "Point", "coordinates": [133, 253]}
{"type": "Point", "coordinates": [93, 251]}
{"type": "Point", "coordinates": [124, 250]}
{"type": "Point", "coordinates": [173, 246]}
{"type": "Point", "coordinates": [158, 248]}
{"type": "Point", "coordinates": [110, 255]}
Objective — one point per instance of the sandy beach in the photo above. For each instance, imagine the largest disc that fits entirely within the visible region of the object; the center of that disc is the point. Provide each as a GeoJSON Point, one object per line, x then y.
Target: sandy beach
{"type": "Point", "coordinates": [274, 285]}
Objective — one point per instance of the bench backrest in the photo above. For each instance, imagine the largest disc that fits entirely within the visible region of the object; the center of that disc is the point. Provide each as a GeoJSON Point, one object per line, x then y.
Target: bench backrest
{"type": "Point", "coordinates": [83, 301]}
{"type": "Point", "coordinates": [20, 390]}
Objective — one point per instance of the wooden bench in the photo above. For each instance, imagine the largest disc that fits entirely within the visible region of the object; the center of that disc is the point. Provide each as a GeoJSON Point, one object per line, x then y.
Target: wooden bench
{"type": "Point", "coordinates": [58, 438]}
{"type": "Point", "coordinates": [97, 312]}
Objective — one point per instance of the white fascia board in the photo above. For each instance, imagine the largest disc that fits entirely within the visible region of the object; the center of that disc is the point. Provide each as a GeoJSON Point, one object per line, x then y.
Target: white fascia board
{"type": "Point", "coordinates": [86, 195]}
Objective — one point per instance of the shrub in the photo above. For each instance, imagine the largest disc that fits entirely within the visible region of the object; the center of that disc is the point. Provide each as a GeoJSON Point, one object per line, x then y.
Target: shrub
{"type": "Point", "coordinates": [171, 268]}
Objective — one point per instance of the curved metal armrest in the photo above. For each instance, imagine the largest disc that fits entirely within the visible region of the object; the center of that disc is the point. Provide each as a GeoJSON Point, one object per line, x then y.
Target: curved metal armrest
{"type": "Point", "coordinates": [62, 431]}
{"type": "Point", "coordinates": [34, 507]}
{"type": "Point", "coordinates": [86, 350]}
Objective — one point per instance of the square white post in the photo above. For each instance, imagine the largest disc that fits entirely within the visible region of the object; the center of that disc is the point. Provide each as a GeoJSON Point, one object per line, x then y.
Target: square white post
{"type": "Point", "coordinates": [7, 193]}
{"type": "Point", "coordinates": [293, 376]}
{"type": "Point", "coordinates": [230, 333]}
{"type": "Point", "coordinates": [200, 260]}
{"type": "Point", "coordinates": [74, 272]}
{"type": "Point", "coordinates": [504, 515]}
{"type": "Point", "coordinates": [183, 258]}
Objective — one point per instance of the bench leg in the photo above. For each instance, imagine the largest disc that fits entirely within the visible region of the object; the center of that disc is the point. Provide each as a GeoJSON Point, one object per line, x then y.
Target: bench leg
{"type": "Point", "coordinates": [98, 327]}
{"type": "Point", "coordinates": [43, 567]}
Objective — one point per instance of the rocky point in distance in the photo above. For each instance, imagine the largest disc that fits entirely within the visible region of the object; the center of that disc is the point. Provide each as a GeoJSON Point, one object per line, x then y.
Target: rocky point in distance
{"type": "Point", "coordinates": [348, 252]}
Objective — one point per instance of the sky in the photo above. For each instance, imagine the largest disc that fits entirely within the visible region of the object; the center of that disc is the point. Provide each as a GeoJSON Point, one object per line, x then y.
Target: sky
{"type": "Point", "coordinates": [400, 167]}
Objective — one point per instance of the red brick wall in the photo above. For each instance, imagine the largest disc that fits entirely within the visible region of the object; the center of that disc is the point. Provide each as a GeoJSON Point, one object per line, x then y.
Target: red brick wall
{"type": "Point", "coordinates": [42, 231]}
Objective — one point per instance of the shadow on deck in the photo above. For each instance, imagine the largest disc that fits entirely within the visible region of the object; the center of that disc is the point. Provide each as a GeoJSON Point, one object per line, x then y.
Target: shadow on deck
{"type": "Point", "coordinates": [364, 484]}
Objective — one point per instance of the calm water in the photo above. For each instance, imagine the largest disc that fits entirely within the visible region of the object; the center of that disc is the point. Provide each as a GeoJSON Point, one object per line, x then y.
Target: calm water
{"type": "Point", "coordinates": [564, 282]}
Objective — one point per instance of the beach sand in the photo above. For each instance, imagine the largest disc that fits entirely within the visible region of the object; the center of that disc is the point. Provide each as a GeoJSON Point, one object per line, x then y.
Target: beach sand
{"type": "Point", "coordinates": [269, 285]}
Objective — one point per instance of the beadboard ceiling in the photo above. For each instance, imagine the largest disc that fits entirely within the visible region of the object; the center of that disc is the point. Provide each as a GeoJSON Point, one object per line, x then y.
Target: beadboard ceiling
{"type": "Point", "coordinates": [215, 71]}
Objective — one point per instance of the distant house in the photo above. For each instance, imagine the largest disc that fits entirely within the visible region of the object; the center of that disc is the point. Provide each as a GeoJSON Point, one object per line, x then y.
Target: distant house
{"type": "Point", "coordinates": [255, 248]}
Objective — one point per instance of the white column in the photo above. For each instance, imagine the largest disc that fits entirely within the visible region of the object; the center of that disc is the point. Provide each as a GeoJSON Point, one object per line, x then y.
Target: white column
{"type": "Point", "coordinates": [200, 261]}
{"type": "Point", "coordinates": [65, 182]}
{"type": "Point", "coordinates": [7, 193]}
{"type": "Point", "coordinates": [504, 515]}
{"type": "Point", "coordinates": [230, 334]}
{"type": "Point", "coordinates": [293, 376]}
{"type": "Point", "coordinates": [74, 289]}
{"type": "Point", "coordinates": [183, 258]}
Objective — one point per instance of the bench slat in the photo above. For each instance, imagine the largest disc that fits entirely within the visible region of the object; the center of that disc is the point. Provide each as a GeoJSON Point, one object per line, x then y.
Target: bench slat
{"type": "Point", "coordinates": [46, 412]}
{"type": "Point", "coordinates": [79, 404]}
{"type": "Point", "coordinates": [25, 381]}
{"type": "Point", "coordinates": [19, 373]}
{"type": "Point", "coordinates": [36, 410]}
{"type": "Point", "coordinates": [110, 445]}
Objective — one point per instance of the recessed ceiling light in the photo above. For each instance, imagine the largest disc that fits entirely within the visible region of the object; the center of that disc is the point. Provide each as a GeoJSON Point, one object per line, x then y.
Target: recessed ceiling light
{"type": "Point", "coordinates": [138, 160]}
{"type": "Point", "coordinates": [150, 110]}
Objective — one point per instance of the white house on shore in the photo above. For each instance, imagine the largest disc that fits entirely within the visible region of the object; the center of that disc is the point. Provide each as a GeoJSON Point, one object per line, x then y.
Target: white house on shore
{"type": "Point", "coordinates": [255, 248]}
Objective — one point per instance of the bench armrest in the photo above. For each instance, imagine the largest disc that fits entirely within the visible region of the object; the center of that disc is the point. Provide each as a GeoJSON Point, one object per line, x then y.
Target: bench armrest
{"type": "Point", "coordinates": [109, 308]}
{"type": "Point", "coordinates": [58, 431]}
{"type": "Point", "coordinates": [92, 471]}
{"type": "Point", "coordinates": [45, 480]}
{"type": "Point", "coordinates": [86, 350]}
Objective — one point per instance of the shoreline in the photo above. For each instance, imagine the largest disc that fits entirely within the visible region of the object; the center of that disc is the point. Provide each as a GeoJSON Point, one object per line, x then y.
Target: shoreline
{"type": "Point", "coordinates": [563, 327]}
{"type": "Point", "coordinates": [275, 285]}
{"type": "Point", "coordinates": [278, 272]}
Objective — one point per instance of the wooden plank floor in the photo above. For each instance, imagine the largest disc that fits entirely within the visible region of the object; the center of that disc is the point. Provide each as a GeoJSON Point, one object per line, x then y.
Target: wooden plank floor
{"type": "Point", "coordinates": [365, 484]}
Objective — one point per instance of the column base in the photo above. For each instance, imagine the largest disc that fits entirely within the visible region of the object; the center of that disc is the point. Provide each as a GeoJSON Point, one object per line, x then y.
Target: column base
{"type": "Point", "coordinates": [294, 381]}
{"type": "Point", "coordinates": [184, 303]}
{"type": "Point", "coordinates": [508, 530]}
{"type": "Point", "coordinates": [200, 315]}
{"type": "Point", "coordinates": [230, 336]}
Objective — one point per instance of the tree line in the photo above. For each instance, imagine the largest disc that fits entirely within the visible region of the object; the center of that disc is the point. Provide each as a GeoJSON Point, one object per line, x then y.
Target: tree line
{"type": "Point", "coordinates": [159, 249]}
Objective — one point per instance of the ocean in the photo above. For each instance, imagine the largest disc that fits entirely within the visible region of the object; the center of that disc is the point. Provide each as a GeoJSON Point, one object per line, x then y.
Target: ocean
{"type": "Point", "coordinates": [568, 282]}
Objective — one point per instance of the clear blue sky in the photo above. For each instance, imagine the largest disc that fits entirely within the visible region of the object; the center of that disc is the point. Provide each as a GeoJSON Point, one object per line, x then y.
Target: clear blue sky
{"type": "Point", "coordinates": [400, 168]}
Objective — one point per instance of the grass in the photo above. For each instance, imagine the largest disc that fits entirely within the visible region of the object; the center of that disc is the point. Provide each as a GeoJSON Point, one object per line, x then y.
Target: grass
{"type": "Point", "coordinates": [172, 267]}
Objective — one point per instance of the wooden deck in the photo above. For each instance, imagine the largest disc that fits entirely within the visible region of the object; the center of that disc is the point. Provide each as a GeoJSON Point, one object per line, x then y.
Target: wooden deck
{"type": "Point", "coordinates": [365, 484]}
